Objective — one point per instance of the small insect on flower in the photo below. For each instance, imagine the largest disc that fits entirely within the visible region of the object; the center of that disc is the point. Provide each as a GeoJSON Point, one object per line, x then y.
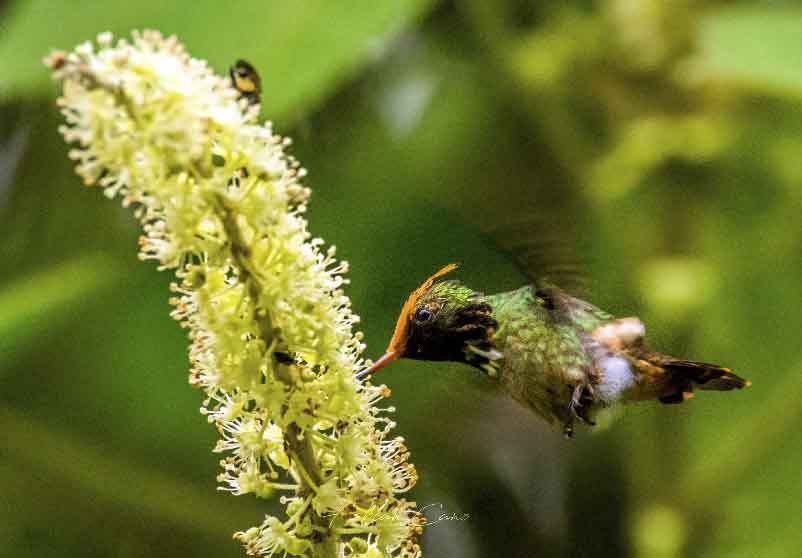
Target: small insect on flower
{"type": "Point", "coordinates": [246, 80]}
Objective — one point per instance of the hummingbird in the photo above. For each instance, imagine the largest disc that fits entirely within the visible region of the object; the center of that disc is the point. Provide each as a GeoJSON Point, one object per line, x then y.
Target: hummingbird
{"type": "Point", "coordinates": [554, 353]}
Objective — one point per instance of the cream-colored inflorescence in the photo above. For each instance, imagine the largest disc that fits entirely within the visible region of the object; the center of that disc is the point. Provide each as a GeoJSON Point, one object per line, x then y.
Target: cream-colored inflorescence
{"type": "Point", "coordinates": [270, 327]}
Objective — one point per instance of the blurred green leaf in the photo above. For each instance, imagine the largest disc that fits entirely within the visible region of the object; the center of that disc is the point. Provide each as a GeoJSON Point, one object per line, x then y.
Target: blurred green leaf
{"type": "Point", "coordinates": [303, 49]}
{"type": "Point", "coordinates": [29, 305]}
{"type": "Point", "coordinates": [755, 43]}
{"type": "Point", "coordinates": [119, 480]}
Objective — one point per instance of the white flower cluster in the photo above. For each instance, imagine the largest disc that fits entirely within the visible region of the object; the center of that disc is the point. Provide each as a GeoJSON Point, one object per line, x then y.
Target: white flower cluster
{"type": "Point", "coordinates": [270, 327]}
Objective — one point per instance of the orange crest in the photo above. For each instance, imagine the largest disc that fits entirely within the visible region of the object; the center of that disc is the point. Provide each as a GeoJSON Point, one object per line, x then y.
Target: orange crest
{"type": "Point", "coordinates": [400, 335]}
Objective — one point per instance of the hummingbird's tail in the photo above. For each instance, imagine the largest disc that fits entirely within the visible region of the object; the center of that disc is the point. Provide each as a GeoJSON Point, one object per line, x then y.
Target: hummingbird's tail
{"type": "Point", "coordinates": [685, 375]}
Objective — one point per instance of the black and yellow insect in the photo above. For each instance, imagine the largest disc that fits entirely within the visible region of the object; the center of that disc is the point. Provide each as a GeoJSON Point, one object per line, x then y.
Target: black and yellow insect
{"type": "Point", "coordinates": [246, 80]}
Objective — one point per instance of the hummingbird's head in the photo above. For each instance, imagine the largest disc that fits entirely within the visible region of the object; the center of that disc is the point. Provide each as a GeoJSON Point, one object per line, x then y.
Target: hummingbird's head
{"type": "Point", "coordinates": [443, 320]}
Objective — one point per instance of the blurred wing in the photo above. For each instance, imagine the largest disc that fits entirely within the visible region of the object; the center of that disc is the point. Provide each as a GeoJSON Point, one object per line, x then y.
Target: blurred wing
{"type": "Point", "coordinates": [544, 250]}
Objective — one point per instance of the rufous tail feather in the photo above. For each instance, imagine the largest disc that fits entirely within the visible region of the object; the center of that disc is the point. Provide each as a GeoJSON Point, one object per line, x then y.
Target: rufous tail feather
{"type": "Point", "coordinates": [685, 375]}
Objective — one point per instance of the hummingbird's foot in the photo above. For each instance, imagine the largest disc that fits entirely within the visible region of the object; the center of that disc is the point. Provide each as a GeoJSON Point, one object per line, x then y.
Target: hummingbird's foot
{"type": "Point", "coordinates": [581, 401]}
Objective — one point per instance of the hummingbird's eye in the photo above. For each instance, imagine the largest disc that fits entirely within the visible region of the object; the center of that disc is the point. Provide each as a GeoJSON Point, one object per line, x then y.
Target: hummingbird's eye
{"type": "Point", "coordinates": [423, 315]}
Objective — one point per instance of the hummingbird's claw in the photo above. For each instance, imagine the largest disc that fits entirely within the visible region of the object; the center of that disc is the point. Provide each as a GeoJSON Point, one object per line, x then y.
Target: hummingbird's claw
{"type": "Point", "coordinates": [581, 401]}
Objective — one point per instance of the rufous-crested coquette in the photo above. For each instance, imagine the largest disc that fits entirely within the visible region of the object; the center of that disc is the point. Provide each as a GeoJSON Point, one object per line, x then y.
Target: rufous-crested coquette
{"type": "Point", "coordinates": [552, 352]}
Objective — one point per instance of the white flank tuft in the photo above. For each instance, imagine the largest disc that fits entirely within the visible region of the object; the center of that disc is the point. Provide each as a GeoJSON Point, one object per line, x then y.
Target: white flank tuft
{"type": "Point", "coordinates": [618, 377]}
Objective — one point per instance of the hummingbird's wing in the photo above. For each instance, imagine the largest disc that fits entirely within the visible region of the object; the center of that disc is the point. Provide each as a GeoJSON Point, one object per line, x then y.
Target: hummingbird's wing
{"type": "Point", "coordinates": [567, 309]}
{"type": "Point", "coordinates": [544, 250]}
{"type": "Point", "coordinates": [529, 208]}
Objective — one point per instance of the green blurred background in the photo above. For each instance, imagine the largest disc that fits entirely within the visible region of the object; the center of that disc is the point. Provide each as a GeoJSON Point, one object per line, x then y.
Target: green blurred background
{"type": "Point", "coordinates": [661, 140]}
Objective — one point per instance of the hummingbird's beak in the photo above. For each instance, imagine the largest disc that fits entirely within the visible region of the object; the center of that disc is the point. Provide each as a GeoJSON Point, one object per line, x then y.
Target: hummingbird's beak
{"type": "Point", "coordinates": [385, 359]}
